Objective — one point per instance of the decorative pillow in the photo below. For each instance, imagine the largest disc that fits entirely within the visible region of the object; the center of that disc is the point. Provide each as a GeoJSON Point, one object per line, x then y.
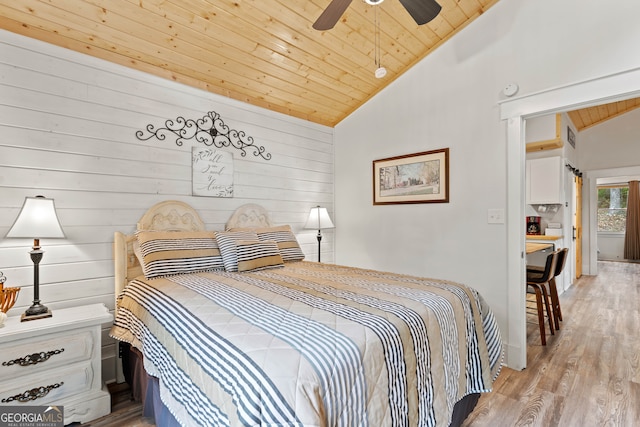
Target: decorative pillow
{"type": "Point", "coordinates": [258, 255]}
{"type": "Point", "coordinates": [286, 240]}
{"type": "Point", "coordinates": [137, 252]}
{"type": "Point", "coordinates": [166, 253]}
{"type": "Point", "coordinates": [227, 243]}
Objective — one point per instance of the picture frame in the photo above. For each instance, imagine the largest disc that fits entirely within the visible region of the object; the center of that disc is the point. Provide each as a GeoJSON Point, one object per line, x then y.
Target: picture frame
{"type": "Point", "coordinates": [571, 137]}
{"type": "Point", "coordinates": [412, 178]}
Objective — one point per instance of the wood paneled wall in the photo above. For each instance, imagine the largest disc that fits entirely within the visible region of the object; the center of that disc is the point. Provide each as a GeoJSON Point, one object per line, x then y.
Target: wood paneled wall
{"type": "Point", "coordinates": [67, 126]}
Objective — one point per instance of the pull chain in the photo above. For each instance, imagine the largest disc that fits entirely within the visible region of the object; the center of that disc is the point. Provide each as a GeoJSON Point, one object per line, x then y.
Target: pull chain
{"type": "Point", "coordinates": [380, 71]}
{"type": "Point", "coordinates": [376, 22]}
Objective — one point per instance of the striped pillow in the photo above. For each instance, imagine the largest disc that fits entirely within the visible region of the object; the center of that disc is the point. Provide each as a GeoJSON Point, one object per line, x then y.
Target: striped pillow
{"type": "Point", "coordinates": [286, 240]}
{"type": "Point", "coordinates": [258, 255]}
{"type": "Point", "coordinates": [165, 253]}
{"type": "Point", "coordinates": [227, 243]}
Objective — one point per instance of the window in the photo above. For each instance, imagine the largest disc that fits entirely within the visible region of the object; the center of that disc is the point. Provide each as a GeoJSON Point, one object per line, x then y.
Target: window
{"type": "Point", "coordinates": [612, 208]}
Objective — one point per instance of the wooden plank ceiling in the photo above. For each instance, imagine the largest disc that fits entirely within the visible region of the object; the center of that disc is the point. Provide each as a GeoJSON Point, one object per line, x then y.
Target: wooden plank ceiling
{"type": "Point", "coordinates": [263, 52]}
{"type": "Point", "coordinates": [592, 116]}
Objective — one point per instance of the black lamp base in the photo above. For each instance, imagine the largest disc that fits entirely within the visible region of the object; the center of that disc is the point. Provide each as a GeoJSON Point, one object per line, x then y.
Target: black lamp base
{"type": "Point", "coordinates": [319, 237]}
{"type": "Point", "coordinates": [36, 311]}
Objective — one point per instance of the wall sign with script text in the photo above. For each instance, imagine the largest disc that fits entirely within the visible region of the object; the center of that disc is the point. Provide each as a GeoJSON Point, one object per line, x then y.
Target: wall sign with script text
{"type": "Point", "coordinates": [212, 172]}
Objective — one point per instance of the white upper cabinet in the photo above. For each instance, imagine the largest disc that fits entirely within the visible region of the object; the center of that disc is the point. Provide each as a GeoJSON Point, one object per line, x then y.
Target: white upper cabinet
{"type": "Point", "coordinates": [544, 181]}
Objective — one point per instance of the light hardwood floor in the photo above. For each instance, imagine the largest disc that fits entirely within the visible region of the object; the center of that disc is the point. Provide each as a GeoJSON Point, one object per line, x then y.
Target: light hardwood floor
{"type": "Point", "coordinates": [124, 411]}
{"type": "Point", "coordinates": [588, 374]}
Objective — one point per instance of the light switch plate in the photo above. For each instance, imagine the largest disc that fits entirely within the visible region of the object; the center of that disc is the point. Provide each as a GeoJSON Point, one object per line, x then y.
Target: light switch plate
{"type": "Point", "coordinates": [495, 216]}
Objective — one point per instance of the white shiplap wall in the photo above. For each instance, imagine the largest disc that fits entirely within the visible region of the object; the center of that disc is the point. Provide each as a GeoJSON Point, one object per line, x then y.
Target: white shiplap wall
{"type": "Point", "coordinates": [67, 126]}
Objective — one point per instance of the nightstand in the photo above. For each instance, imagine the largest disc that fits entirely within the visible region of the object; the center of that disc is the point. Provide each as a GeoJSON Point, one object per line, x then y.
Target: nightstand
{"type": "Point", "coordinates": [56, 361]}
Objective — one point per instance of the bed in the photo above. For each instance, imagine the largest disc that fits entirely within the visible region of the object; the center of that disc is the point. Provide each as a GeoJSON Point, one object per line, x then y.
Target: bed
{"type": "Point", "coordinates": [234, 327]}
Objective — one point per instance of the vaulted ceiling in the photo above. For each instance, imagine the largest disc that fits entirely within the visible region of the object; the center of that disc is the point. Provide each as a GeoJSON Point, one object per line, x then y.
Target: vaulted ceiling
{"type": "Point", "coordinates": [592, 116]}
{"type": "Point", "coordinates": [263, 52]}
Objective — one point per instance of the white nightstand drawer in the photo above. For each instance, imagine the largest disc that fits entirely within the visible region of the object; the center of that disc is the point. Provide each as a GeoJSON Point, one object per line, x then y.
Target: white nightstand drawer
{"type": "Point", "coordinates": [68, 371]}
{"type": "Point", "coordinates": [52, 388]}
{"type": "Point", "coordinates": [31, 355]}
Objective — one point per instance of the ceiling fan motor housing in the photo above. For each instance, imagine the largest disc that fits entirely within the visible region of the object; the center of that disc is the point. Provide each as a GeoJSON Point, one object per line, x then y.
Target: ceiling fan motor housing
{"type": "Point", "coordinates": [422, 11]}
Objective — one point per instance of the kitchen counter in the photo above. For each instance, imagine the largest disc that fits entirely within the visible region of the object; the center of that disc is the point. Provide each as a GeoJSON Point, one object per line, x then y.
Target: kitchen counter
{"type": "Point", "coordinates": [543, 238]}
{"type": "Point", "coordinates": [535, 247]}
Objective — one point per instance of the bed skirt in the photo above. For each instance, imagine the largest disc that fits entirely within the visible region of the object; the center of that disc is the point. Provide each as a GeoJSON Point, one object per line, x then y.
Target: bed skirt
{"type": "Point", "coordinates": [145, 389]}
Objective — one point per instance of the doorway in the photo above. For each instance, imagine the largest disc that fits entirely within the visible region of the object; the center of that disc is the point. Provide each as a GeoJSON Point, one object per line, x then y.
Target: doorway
{"type": "Point", "coordinates": [563, 218]}
{"type": "Point", "coordinates": [611, 88]}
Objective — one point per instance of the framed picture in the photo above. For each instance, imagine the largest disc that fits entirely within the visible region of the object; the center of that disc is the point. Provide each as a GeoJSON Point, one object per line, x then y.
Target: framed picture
{"type": "Point", "coordinates": [412, 178]}
{"type": "Point", "coordinates": [571, 137]}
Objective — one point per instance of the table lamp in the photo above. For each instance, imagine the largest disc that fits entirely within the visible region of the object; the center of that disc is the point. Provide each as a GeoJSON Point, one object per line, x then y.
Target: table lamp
{"type": "Point", "coordinates": [37, 220]}
{"type": "Point", "coordinates": [319, 219]}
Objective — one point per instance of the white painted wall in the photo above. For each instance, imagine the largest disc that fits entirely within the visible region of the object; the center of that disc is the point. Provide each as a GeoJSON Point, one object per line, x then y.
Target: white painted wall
{"type": "Point", "coordinates": [610, 246]}
{"type": "Point", "coordinates": [613, 144]}
{"type": "Point", "coordinates": [541, 128]}
{"type": "Point", "coordinates": [68, 124]}
{"type": "Point", "coordinates": [450, 99]}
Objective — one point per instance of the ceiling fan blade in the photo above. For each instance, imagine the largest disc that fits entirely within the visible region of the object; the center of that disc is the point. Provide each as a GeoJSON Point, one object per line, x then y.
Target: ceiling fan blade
{"type": "Point", "coordinates": [422, 11]}
{"type": "Point", "coordinates": [331, 14]}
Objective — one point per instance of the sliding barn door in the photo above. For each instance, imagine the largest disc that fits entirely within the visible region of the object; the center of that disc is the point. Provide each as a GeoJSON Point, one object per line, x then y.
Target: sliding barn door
{"type": "Point", "coordinates": [577, 225]}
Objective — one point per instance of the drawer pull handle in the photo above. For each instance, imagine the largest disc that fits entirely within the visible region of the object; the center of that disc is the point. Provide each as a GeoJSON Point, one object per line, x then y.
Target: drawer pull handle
{"type": "Point", "coordinates": [33, 394]}
{"type": "Point", "coordinates": [33, 359]}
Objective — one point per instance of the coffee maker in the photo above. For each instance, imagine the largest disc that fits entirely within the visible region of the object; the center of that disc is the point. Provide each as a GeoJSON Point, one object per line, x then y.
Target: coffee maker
{"type": "Point", "coordinates": [533, 226]}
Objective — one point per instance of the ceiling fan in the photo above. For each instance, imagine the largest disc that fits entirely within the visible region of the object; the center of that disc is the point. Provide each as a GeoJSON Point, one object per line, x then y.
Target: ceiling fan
{"type": "Point", "coordinates": [422, 11]}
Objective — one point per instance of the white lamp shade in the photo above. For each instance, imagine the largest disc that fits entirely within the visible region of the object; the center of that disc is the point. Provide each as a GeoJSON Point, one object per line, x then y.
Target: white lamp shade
{"type": "Point", "coordinates": [319, 219]}
{"type": "Point", "coordinates": [37, 220]}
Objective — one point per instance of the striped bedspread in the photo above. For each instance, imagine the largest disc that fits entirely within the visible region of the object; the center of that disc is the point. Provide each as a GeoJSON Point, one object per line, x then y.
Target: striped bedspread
{"type": "Point", "coordinates": [311, 345]}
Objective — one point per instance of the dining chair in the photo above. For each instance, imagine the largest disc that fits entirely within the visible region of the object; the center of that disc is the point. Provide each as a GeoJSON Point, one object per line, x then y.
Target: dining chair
{"type": "Point", "coordinates": [534, 272]}
{"type": "Point", "coordinates": [539, 285]}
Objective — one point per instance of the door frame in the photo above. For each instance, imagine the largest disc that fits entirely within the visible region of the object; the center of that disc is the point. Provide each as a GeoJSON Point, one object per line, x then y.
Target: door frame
{"type": "Point", "coordinates": [610, 88]}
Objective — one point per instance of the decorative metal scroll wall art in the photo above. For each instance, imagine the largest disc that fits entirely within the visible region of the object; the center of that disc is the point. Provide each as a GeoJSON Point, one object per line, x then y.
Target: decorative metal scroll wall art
{"type": "Point", "coordinates": [209, 130]}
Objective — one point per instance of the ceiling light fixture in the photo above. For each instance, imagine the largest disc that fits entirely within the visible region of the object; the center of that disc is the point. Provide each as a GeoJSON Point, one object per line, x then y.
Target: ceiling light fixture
{"type": "Point", "coordinates": [380, 71]}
